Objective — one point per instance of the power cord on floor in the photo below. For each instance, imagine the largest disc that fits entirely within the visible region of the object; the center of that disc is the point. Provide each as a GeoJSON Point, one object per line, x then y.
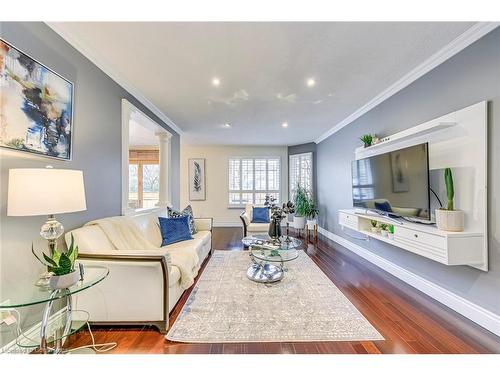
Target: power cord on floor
{"type": "Point", "coordinates": [96, 347]}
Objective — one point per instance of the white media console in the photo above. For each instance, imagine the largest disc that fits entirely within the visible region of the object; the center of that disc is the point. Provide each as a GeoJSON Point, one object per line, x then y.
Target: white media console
{"type": "Point", "coordinates": [450, 248]}
{"type": "Point", "coordinates": [457, 140]}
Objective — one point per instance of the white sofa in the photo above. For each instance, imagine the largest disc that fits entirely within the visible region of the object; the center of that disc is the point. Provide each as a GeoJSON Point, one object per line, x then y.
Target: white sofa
{"type": "Point", "coordinates": [142, 287]}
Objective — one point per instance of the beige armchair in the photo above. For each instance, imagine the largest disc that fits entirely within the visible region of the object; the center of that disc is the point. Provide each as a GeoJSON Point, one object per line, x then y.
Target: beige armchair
{"type": "Point", "coordinates": [249, 227]}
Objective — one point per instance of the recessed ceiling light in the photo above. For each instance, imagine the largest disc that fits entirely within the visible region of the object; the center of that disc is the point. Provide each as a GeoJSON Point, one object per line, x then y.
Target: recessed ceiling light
{"type": "Point", "coordinates": [311, 82]}
{"type": "Point", "coordinates": [227, 125]}
{"type": "Point", "coordinates": [215, 81]}
{"type": "Point", "coordinates": [284, 125]}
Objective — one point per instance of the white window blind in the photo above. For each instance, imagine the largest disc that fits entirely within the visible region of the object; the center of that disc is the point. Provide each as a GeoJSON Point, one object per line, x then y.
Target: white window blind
{"type": "Point", "coordinates": [362, 180]}
{"type": "Point", "coordinates": [251, 179]}
{"type": "Point", "coordinates": [301, 172]}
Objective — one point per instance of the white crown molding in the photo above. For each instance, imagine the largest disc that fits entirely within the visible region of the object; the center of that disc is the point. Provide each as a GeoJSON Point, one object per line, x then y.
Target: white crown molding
{"type": "Point", "coordinates": [115, 76]}
{"type": "Point", "coordinates": [470, 310]}
{"type": "Point", "coordinates": [471, 35]}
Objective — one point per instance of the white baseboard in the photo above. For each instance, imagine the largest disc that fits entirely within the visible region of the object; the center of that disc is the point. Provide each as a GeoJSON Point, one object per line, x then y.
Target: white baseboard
{"type": "Point", "coordinates": [470, 310]}
{"type": "Point", "coordinates": [229, 224]}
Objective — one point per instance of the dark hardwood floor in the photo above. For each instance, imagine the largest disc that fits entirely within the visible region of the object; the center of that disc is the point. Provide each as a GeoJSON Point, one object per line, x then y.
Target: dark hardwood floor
{"type": "Point", "coordinates": [410, 321]}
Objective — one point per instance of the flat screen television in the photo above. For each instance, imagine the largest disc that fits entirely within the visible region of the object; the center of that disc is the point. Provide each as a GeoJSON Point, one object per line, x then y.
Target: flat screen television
{"type": "Point", "coordinates": [394, 183]}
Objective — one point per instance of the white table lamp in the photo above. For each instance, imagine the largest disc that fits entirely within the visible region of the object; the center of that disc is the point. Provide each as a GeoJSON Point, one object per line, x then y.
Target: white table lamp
{"type": "Point", "coordinates": [46, 191]}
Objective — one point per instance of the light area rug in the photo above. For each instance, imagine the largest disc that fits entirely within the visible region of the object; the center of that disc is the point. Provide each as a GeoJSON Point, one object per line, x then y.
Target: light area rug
{"type": "Point", "coordinates": [225, 306]}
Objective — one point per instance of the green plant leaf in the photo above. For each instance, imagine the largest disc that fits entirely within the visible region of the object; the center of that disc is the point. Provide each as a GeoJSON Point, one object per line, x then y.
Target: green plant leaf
{"type": "Point", "coordinates": [56, 255]}
{"type": "Point", "coordinates": [65, 262]}
{"type": "Point", "coordinates": [37, 257]}
{"type": "Point", "coordinates": [49, 260]}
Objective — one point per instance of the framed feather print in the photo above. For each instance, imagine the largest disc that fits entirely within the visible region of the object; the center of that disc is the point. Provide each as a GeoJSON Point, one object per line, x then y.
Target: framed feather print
{"type": "Point", "coordinates": [196, 177]}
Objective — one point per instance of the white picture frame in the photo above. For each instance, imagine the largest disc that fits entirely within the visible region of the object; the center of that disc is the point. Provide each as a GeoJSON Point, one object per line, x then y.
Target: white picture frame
{"type": "Point", "coordinates": [197, 179]}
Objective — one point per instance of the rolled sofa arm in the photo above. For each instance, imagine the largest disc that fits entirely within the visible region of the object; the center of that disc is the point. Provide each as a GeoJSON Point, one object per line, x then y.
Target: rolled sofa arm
{"type": "Point", "coordinates": [245, 220]}
{"type": "Point", "coordinates": [131, 257]}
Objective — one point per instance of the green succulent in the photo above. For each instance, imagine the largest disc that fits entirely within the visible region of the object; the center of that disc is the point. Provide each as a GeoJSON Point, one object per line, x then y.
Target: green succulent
{"type": "Point", "coordinates": [450, 191]}
{"type": "Point", "coordinates": [374, 223]}
{"type": "Point", "coordinates": [367, 139]}
{"type": "Point", "coordinates": [59, 263]}
{"type": "Point", "coordinates": [383, 226]}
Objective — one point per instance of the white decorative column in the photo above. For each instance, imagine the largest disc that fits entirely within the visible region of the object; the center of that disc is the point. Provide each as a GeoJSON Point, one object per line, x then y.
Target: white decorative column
{"type": "Point", "coordinates": [164, 153]}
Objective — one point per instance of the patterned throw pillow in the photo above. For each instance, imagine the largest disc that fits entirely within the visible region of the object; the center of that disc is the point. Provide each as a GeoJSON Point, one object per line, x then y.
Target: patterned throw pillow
{"type": "Point", "coordinates": [188, 211]}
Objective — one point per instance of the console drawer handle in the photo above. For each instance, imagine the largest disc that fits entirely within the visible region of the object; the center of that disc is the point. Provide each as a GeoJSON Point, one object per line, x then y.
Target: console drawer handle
{"type": "Point", "coordinates": [416, 235]}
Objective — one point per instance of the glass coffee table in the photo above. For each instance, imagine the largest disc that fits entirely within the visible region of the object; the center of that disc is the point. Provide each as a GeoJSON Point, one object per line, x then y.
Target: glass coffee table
{"type": "Point", "coordinates": [269, 256]}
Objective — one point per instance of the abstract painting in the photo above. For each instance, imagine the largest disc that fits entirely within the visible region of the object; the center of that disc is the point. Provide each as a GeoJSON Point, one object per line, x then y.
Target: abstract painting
{"type": "Point", "coordinates": [36, 106]}
{"type": "Point", "coordinates": [197, 180]}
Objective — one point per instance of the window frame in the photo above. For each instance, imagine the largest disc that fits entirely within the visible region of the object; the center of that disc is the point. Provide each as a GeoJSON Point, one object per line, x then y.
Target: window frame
{"type": "Point", "coordinates": [291, 188]}
{"type": "Point", "coordinates": [253, 191]}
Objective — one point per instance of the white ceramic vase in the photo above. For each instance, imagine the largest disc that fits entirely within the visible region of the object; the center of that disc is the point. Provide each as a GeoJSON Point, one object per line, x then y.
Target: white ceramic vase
{"type": "Point", "coordinates": [451, 221]}
{"type": "Point", "coordinates": [299, 222]}
{"type": "Point", "coordinates": [384, 233]}
{"type": "Point", "coordinates": [64, 281]}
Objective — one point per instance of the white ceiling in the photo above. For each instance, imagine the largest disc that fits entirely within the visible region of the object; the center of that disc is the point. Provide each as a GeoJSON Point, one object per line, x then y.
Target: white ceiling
{"type": "Point", "coordinates": [263, 68]}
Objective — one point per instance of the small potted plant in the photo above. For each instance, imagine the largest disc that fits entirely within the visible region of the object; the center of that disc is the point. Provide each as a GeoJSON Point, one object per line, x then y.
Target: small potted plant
{"type": "Point", "coordinates": [449, 219]}
{"type": "Point", "coordinates": [301, 208]}
{"type": "Point", "coordinates": [375, 228]}
{"type": "Point", "coordinates": [367, 140]}
{"type": "Point", "coordinates": [383, 229]}
{"type": "Point", "coordinates": [62, 266]}
{"type": "Point", "coordinates": [312, 213]}
{"type": "Point", "coordinates": [390, 231]}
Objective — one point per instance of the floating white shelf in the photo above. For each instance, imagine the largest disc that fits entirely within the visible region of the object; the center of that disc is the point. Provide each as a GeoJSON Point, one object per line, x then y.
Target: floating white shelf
{"type": "Point", "coordinates": [450, 248]}
{"type": "Point", "coordinates": [416, 131]}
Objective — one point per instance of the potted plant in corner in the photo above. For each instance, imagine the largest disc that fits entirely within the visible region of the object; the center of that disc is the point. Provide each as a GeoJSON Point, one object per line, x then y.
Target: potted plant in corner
{"type": "Point", "coordinates": [375, 227]}
{"type": "Point", "coordinates": [448, 218]}
{"type": "Point", "coordinates": [312, 213]}
{"type": "Point", "coordinates": [62, 266]}
{"type": "Point", "coordinates": [301, 202]}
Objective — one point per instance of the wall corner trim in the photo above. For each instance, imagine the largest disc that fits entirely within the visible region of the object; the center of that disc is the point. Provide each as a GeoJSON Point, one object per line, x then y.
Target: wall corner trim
{"type": "Point", "coordinates": [115, 76]}
{"type": "Point", "coordinates": [474, 33]}
{"type": "Point", "coordinates": [470, 310]}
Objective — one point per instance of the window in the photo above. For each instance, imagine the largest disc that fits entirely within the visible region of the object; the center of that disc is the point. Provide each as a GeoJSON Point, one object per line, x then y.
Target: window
{"type": "Point", "coordinates": [362, 180]}
{"type": "Point", "coordinates": [144, 178]}
{"type": "Point", "coordinates": [251, 179]}
{"type": "Point", "coordinates": [301, 172]}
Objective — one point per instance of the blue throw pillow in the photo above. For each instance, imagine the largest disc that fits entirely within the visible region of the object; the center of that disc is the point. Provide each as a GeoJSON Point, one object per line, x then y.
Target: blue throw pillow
{"type": "Point", "coordinates": [260, 215]}
{"type": "Point", "coordinates": [188, 211]}
{"type": "Point", "coordinates": [383, 206]}
{"type": "Point", "coordinates": [174, 229]}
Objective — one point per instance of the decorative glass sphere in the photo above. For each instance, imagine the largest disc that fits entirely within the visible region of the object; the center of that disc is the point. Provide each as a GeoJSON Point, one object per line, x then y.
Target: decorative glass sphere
{"type": "Point", "coordinates": [51, 230]}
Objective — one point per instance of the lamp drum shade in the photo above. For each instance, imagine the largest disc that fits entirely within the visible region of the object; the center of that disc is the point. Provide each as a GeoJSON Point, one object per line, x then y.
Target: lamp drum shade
{"type": "Point", "coordinates": [45, 191]}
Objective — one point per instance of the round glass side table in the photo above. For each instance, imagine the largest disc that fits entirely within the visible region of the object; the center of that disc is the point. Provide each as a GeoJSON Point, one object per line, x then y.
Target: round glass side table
{"type": "Point", "coordinates": [52, 328]}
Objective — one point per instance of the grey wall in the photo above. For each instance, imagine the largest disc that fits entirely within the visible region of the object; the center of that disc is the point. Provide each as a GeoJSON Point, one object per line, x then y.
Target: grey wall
{"type": "Point", "coordinates": [301, 149]}
{"type": "Point", "coordinates": [96, 147]}
{"type": "Point", "coordinates": [471, 76]}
